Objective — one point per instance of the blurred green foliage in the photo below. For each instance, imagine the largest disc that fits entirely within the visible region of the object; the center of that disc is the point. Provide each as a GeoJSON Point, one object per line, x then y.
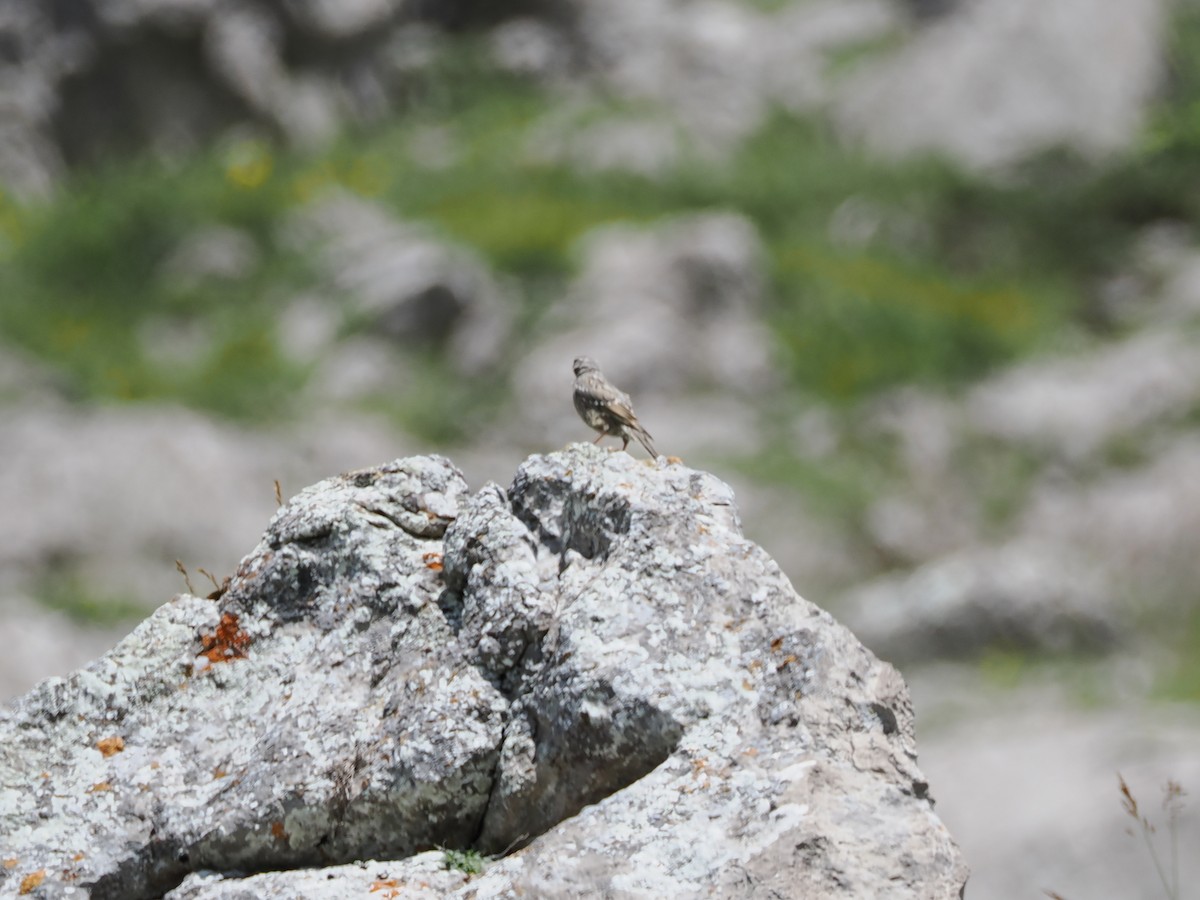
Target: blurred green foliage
{"type": "Point", "coordinates": [881, 273]}
{"type": "Point", "coordinates": [69, 593]}
{"type": "Point", "coordinates": [1179, 670]}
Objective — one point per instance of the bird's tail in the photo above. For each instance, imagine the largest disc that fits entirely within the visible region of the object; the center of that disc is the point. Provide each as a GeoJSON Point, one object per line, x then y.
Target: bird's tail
{"type": "Point", "coordinates": [644, 439]}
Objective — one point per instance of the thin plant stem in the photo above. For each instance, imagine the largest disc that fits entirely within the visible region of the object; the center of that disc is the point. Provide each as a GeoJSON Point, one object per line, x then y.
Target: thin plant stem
{"type": "Point", "coordinates": [1162, 876]}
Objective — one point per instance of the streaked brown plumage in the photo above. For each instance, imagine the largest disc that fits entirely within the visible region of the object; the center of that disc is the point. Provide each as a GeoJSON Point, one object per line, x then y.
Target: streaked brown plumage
{"type": "Point", "coordinates": [605, 408]}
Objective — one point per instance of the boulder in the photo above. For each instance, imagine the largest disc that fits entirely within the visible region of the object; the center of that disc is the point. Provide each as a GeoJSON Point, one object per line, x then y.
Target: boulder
{"type": "Point", "coordinates": [992, 82]}
{"type": "Point", "coordinates": [1076, 407]}
{"type": "Point", "coordinates": [412, 286]}
{"type": "Point", "coordinates": [1022, 595]}
{"type": "Point", "coordinates": [592, 677]}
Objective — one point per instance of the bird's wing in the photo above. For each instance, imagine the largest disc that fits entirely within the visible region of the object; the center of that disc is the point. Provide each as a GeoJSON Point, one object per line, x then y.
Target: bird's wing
{"type": "Point", "coordinates": [617, 402]}
{"type": "Point", "coordinates": [595, 391]}
{"type": "Point", "coordinates": [622, 409]}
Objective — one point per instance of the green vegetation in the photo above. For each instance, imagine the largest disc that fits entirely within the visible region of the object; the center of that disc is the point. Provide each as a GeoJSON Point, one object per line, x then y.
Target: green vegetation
{"type": "Point", "coordinates": [1178, 675]}
{"type": "Point", "coordinates": [82, 279]}
{"type": "Point", "coordinates": [882, 274]}
{"type": "Point", "coordinates": [470, 862]}
{"type": "Point", "coordinates": [70, 594]}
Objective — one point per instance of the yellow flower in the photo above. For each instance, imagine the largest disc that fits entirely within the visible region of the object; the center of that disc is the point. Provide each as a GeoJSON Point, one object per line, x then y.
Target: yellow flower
{"type": "Point", "coordinates": [248, 164]}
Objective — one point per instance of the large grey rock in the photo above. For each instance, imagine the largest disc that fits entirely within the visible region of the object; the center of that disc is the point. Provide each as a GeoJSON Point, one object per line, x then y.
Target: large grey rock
{"type": "Point", "coordinates": [425, 876]}
{"type": "Point", "coordinates": [417, 289]}
{"type": "Point", "coordinates": [593, 670]}
{"type": "Point", "coordinates": [1034, 510]}
{"type": "Point", "coordinates": [715, 70]}
{"type": "Point", "coordinates": [1076, 406]}
{"type": "Point", "coordinates": [1018, 596]}
{"type": "Point", "coordinates": [83, 82]}
{"type": "Point", "coordinates": [35, 60]}
{"type": "Point", "coordinates": [994, 81]}
{"type": "Point", "coordinates": [1141, 524]}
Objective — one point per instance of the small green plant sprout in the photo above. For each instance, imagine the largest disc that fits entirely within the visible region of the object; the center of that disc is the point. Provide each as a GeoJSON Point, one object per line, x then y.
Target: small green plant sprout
{"type": "Point", "coordinates": [470, 862]}
{"type": "Point", "coordinates": [1172, 805]}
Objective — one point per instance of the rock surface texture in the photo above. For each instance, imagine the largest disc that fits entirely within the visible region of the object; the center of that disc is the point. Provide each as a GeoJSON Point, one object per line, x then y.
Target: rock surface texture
{"type": "Point", "coordinates": [592, 675]}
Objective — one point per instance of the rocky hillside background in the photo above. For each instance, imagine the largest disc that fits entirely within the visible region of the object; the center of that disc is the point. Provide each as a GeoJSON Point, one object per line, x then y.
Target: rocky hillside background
{"type": "Point", "coordinates": [920, 279]}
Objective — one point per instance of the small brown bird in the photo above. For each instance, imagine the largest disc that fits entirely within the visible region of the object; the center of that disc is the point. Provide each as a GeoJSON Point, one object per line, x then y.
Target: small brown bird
{"type": "Point", "coordinates": [605, 408]}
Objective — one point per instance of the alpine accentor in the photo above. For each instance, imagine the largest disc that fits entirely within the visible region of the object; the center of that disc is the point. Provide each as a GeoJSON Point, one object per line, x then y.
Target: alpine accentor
{"type": "Point", "coordinates": [605, 408]}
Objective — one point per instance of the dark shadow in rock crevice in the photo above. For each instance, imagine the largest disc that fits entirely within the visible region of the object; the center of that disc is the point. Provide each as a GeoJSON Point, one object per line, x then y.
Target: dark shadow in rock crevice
{"type": "Point", "coordinates": [579, 749]}
{"type": "Point", "coordinates": [590, 524]}
{"type": "Point", "coordinates": [546, 530]}
{"type": "Point", "coordinates": [362, 823]}
{"type": "Point", "coordinates": [159, 868]}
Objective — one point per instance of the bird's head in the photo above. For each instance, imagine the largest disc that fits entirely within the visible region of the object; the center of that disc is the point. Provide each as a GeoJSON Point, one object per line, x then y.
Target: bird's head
{"type": "Point", "coordinates": [585, 364]}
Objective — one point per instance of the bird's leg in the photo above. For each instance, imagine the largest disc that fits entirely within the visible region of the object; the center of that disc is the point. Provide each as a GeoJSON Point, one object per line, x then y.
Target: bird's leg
{"type": "Point", "coordinates": [624, 441]}
{"type": "Point", "coordinates": [599, 438]}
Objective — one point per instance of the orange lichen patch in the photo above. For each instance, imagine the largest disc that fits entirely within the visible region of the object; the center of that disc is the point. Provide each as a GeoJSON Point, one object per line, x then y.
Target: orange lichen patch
{"type": "Point", "coordinates": [99, 787]}
{"type": "Point", "coordinates": [698, 766]}
{"type": "Point", "coordinates": [78, 856]}
{"type": "Point", "coordinates": [278, 831]}
{"type": "Point", "coordinates": [219, 772]}
{"type": "Point", "coordinates": [391, 885]}
{"type": "Point", "coordinates": [227, 642]}
{"type": "Point", "coordinates": [787, 660]}
{"type": "Point", "coordinates": [747, 685]}
{"type": "Point", "coordinates": [750, 751]}
{"type": "Point", "coordinates": [777, 645]}
{"type": "Point", "coordinates": [110, 745]}
{"type": "Point", "coordinates": [433, 561]}
{"type": "Point", "coordinates": [10, 863]}
{"type": "Point", "coordinates": [32, 881]}
{"type": "Point", "coordinates": [674, 461]}
{"type": "Point", "coordinates": [755, 665]}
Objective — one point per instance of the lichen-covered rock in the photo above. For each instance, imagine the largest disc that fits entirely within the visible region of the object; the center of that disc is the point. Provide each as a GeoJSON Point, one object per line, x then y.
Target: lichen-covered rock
{"type": "Point", "coordinates": [592, 676]}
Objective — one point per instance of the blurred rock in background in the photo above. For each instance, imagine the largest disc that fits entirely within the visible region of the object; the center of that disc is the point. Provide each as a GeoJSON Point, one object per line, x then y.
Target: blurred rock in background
{"type": "Point", "coordinates": [412, 288]}
{"type": "Point", "coordinates": [993, 80]}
